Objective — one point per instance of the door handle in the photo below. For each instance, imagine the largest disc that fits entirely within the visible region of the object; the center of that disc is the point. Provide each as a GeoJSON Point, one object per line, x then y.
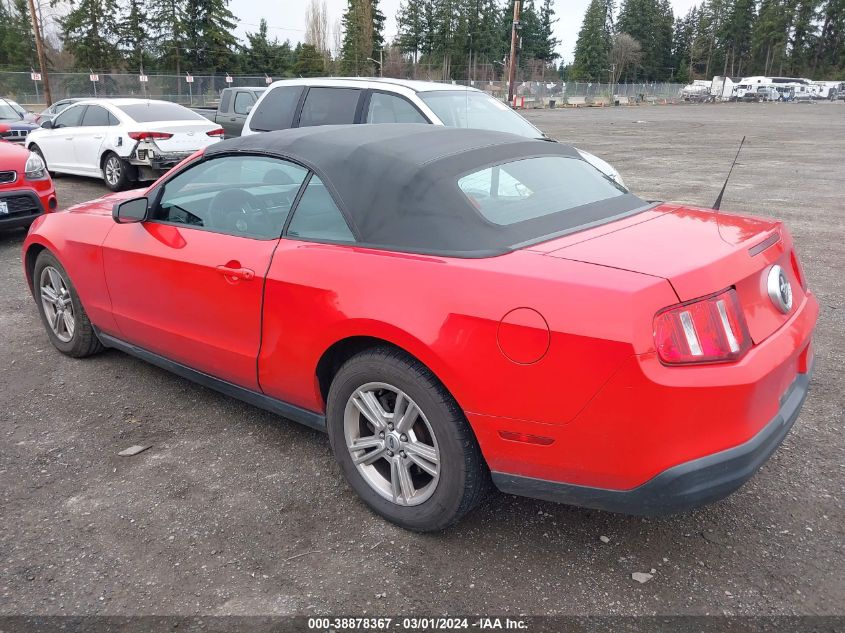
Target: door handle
{"type": "Point", "coordinates": [236, 273]}
{"type": "Point", "coordinates": [68, 138]}
{"type": "Point", "coordinates": [98, 137]}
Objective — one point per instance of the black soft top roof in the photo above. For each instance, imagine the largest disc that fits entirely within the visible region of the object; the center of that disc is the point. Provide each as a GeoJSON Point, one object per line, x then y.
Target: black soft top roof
{"type": "Point", "coordinates": [397, 184]}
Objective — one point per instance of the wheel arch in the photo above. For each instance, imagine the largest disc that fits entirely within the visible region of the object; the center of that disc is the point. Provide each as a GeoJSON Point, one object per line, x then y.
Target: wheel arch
{"type": "Point", "coordinates": [345, 348]}
{"type": "Point", "coordinates": [31, 254]}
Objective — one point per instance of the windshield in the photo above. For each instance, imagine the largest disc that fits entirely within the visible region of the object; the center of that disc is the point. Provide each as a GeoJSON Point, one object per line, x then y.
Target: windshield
{"type": "Point", "coordinates": [472, 109]}
{"type": "Point", "coordinates": [535, 187]}
{"type": "Point", "coordinates": [8, 113]}
{"type": "Point", "coordinates": [160, 111]}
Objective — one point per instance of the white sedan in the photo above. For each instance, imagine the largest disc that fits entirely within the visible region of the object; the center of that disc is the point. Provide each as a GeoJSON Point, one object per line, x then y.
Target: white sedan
{"type": "Point", "coordinates": [121, 141]}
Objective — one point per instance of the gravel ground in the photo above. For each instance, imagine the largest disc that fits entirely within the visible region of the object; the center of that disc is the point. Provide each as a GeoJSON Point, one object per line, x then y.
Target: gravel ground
{"type": "Point", "coordinates": [235, 511]}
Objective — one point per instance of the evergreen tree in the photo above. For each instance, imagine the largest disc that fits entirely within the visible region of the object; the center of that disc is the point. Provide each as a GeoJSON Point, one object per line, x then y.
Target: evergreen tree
{"type": "Point", "coordinates": [593, 45]}
{"type": "Point", "coordinates": [309, 61]}
{"type": "Point", "coordinates": [735, 37]}
{"type": "Point", "coordinates": [167, 25]}
{"type": "Point", "coordinates": [410, 20]}
{"type": "Point", "coordinates": [210, 43]}
{"type": "Point", "coordinates": [17, 43]}
{"type": "Point", "coordinates": [360, 36]}
{"type": "Point", "coordinates": [650, 22]}
{"type": "Point", "coordinates": [261, 55]}
{"type": "Point", "coordinates": [90, 33]}
{"type": "Point", "coordinates": [547, 41]}
{"type": "Point", "coordinates": [134, 35]}
{"type": "Point", "coordinates": [682, 45]}
{"type": "Point", "coordinates": [770, 38]}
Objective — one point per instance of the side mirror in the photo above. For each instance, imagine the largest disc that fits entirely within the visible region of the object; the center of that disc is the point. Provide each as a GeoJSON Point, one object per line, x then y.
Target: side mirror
{"type": "Point", "coordinates": [128, 211]}
{"type": "Point", "coordinates": [47, 125]}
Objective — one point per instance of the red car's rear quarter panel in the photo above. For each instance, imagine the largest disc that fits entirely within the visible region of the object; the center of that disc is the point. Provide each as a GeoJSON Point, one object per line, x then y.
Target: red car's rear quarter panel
{"type": "Point", "coordinates": [446, 312]}
{"type": "Point", "coordinates": [649, 417]}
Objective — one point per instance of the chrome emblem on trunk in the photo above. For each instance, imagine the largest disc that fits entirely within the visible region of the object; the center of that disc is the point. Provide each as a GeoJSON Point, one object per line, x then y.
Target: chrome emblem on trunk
{"type": "Point", "coordinates": [779, 288]}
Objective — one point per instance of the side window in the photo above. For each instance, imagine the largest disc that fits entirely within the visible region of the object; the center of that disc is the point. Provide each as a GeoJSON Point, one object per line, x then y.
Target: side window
{"type": "Point", "coordinates": [95, 115]}
{"type": "Point", "coordinates": [225, 100]}
{"type": "Point", "coordinates": [247, 196]}
{"type": "Point", "coordinates": [387, 108]}
{"type": "Point", "coordinates": [71, 117]}
{"type": "Point", "coordinates": [276, 109]}
{"type": "Point", "coordinates": [243, 102]}
{"type": "Point", "coordinates": [329, 106]}
{"type": "Point", "coordinates": [113, 119]}
{"type": "Point", "coordinates": [317, 217]}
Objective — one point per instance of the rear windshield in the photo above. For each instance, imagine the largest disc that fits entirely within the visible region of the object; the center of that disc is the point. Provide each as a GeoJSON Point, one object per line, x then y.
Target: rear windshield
{"type": "Point", "coordinates": [534, 187]}
{"type": "Point", "coordinates": [477, 110]}
{"type": "Point", "coordinates": [149, 112]}
{"type": "Point", "coordinates": [8, 113]}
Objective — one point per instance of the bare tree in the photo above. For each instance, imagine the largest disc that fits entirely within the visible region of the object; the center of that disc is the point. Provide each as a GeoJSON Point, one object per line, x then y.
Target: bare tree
{"type": "Point", "coordinates": [337, 38]}
{"type": "Point", "coordinates": [625, 51]}
{"type": "Point", "coordinates": [317, 26]}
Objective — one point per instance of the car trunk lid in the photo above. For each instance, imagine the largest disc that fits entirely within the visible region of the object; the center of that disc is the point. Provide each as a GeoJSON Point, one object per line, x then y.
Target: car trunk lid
{"type": "Point", "coordinates": [188, 136]}
{"type": "Point", "coordinates": [700, 252]}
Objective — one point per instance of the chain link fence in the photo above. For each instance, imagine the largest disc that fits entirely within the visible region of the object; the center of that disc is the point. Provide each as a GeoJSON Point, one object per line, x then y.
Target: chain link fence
{"type": "Point", "coordinates": [541, 94]}
{"type": "Point", "coordinates": [204, 90]}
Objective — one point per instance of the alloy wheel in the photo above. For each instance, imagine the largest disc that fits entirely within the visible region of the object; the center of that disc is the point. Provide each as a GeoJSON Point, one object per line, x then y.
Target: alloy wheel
{"type": "Point", "coordinates": [392, 443]}
{"type": "Point", "coordinates": [57, 304]}
{"type": "Point", "coordinates": [113, 170]}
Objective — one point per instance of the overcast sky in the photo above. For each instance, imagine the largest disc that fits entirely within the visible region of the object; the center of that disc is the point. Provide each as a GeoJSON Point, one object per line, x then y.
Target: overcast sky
{"type": "Point", "coordinates": [287, 18]}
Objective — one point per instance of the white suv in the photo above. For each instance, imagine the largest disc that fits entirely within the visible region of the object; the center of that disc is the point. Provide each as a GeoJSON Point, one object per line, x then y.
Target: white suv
{"type": "Point", "coordinates": [327, 101]}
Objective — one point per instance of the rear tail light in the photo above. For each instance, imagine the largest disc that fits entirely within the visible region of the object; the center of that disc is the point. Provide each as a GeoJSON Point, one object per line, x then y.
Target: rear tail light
{"type": "Point", "coordinates": [796, 268]}
{"type": "Point", "coordinates": [708, 330]}
{"type": "Point", "coordinates": [217, 132]}
{"type": "Point", "coordinates": [147, 136]}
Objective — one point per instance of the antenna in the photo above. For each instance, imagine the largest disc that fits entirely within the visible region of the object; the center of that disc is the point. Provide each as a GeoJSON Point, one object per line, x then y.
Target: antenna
{"type": "Point", "coordinates": [718, 202]}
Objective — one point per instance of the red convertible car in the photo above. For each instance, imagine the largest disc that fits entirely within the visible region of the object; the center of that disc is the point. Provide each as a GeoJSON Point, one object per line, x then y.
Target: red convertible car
{"type": "Point", "coordinates": [26, 189]}
{"type": "Point", "coordinates": [453, 307]}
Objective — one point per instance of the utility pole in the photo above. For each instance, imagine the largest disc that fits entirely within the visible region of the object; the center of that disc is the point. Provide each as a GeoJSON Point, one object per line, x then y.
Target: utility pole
{"type": "Point", "coordinates": [512, 62]}
{"type": "Point", "coordinates": [39, 49]}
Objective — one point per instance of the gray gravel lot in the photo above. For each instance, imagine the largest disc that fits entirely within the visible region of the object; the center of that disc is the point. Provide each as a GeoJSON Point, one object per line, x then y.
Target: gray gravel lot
{"type": "Point", "coordinates": [235, 511]}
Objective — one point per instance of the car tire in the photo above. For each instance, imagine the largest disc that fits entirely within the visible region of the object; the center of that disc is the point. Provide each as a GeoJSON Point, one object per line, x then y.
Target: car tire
{"type": "Point", "coordinates": [437, 448]}
{"type": "Point", "coordinates": [37, 150]}
{"type": "Point", "coordinates": [116, 172]}
{"type": "Point", "coordinates": [71, 332]}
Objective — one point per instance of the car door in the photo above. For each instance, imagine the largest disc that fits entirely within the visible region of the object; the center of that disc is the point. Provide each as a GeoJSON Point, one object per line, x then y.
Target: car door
{"type": "Point", "coordinates": [187, 283]}
{"type": "Point", "coordinates": [233, 122]}
{"type": "Point", "coordinates": [89, 138]}
{"type": "Point", "coordinates": [56, 143]}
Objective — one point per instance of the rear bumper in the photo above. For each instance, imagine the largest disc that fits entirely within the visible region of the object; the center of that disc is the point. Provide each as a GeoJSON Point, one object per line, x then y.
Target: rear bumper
{"type": "Point", "coordinates": [682, 487]}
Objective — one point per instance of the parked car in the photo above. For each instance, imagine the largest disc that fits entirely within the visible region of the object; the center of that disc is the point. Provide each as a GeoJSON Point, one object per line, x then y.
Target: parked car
{"type": "Point", "coordinates": [50, 113]}
{"type": "Point", "coordinates": [122, 141]}
{"type": "Point", "coordinates": [447, 305]}
{"type": "Point", "coordinates": [13, 118]}
{"type": "Point", "coordinates": [291, 103]}
{"type": "Point", "coordinates": [26, 190]}
{"type": "Point", "coordinates": [234, 106]}
{"type": "Point", "coordinates": [762, 93]}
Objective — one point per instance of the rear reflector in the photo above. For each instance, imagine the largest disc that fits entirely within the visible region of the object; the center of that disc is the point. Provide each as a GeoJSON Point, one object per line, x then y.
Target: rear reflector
{"type": "Point", "coordinates": [707, 330]}
{"type": "Point", "coordinates": [146, 136]}
{"type": "Point", "coordinates": [527, 438]}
